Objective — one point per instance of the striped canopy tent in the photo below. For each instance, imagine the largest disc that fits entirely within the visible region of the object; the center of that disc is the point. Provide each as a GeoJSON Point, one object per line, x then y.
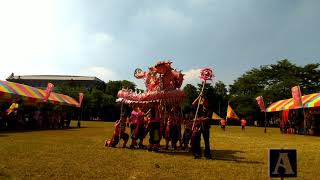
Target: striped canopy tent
{"type": "Point", "coordinates": [308, 101]}
{"type": "Point", "coordinates": [10, 91]}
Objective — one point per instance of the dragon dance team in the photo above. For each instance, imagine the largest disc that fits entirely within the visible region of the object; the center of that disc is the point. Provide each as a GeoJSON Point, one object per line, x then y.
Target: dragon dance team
{"type": "Point", "coordinates": [160, 125]}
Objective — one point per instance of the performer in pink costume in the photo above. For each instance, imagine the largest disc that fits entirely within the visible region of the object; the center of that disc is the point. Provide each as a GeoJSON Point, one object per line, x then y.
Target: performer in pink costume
{"type": "Point", "coordinates": [137, 127]}
{"type": "Point", "coordinates": [119, 127]}
{"type": "Point", "coordinates": [154, 129]}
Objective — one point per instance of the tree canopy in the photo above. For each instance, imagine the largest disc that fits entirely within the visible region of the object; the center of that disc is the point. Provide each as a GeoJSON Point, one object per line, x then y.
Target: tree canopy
{"type": "Point", "coordinates": [273, 82]}
{"type": "Point", "coordinates": [216, 94]}
{"type": "Point", "coordinates": [99, 101]}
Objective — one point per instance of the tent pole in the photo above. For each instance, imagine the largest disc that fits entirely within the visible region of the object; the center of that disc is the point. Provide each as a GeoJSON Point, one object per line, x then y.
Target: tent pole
{"type": "Point", "coordinates": [219, 109]}
{"type": "Point", "coordinates": [120, 121]}
{"type": "Point", "coordinates": [282, 122]}
{"type": "Point", "coordinates": [265, 122]}
{"type": "Point", "coordinates": [80, 118]}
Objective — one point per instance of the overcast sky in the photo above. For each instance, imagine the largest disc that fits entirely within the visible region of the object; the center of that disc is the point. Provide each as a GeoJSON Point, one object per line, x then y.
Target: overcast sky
{"type": "Point", "coordinates": [110, 38]}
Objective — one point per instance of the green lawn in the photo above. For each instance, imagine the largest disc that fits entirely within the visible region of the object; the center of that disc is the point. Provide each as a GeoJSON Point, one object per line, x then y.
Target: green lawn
{"type": "Point", "coordinates": [79, 153]}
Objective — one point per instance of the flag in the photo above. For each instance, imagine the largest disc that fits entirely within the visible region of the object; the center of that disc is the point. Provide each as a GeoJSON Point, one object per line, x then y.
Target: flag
{"type": "Point", "coordinates": [261, 103]}
{"type": "Point", "coordinates": [215, 116]}
{"type": "Point", "coordinates": [296, 95]}
{"type": "Point", "coordinates": [13, 107]}
{"type": "Point", "coordinates": [80, 99]}
{"type": "Point", "coordinates": [231, 114]}
{"type": "Point", "coordinates": [48, 92]}
{"type": "Point", "coordinates": [284, 117]}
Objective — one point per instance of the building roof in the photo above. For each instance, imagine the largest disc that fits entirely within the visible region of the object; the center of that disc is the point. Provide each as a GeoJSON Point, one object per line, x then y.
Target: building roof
{"type": "Point", "coordinates": [54, 77]}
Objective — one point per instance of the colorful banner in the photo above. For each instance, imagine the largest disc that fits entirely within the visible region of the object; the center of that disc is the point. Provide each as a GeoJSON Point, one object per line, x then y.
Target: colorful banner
{"type": "Point", "coordinates": [80, 99]}
{"type": "Point", "coordinates": [48, 92]}
{"type": "Point", "coordinates": [261, 103]}
{"type": "Point", "coordinates": [31, 95]}
{"type": "Point", "coordinates": [308, 101]}
{"type": "Point", "coordinates": [296, 95]}
{"type": "Point", "coordinates": [231, 114]}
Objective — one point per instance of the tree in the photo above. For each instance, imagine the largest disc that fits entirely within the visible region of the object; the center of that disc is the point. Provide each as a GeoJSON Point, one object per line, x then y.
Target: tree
{"type": "Point", "coordinates": [273, 82]}
{"type": "Point", "coordinates": [112, 87]}
{"type": "Point", "coordinates": [210, 95]}
{"type": "Point", "coordinates": [98, 101]}
{"type": "Point", "coordinates": [217, 96]}
{"type": "Point", "coordinates": [222, 98]}
{"type": "Point", "coordinates": [221, 89]}
{"type": "Point", "coordinates": [191, 94]}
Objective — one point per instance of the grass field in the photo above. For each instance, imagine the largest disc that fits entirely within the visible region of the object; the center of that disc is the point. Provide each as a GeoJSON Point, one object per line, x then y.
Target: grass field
{"type": "Point", "coordinates": [79, 153]}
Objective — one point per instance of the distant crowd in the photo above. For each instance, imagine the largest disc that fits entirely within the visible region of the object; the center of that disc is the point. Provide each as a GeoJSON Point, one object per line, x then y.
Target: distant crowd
{"type": "Point", "coordinates": [34, 119]}
{"type": "Point", "coordinates": [293, 122]}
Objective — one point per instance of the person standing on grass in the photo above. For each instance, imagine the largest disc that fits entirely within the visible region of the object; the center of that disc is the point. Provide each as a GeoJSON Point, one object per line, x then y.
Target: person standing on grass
{"type": "Point", "coordinates": [180, 121]}
{"type": "Point", "coordinates": [168, 129]}
{"type": "Point", "coordinates": [202, 126]}
{"type": "Point", "coordinates": [118, 133]}
{"type": "Point", "coordinates": [172, 130]}
{"type": "Point", "coordinates": [243, 124]}
{"type": "Point", "coordinates": [137, 127]}
{"type": "Point", "coordinates": [187, 131]}
{"type": "Point", "coordinates": [223, 124]}
{"type": "Point", "coordinates": [154, 129]}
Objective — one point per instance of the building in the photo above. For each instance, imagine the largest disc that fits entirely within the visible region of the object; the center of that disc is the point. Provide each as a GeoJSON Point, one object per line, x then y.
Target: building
{"type": "Point", "coordinates": [41, 81]}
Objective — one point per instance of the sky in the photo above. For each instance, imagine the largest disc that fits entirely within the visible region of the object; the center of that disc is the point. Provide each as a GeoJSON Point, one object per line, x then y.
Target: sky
{"type": "Point", "coordinates": [110, 38]}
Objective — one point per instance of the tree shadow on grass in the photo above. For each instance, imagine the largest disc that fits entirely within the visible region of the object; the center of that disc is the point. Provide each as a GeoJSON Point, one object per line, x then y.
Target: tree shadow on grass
{"type": "Point", "coordinates": [229, 155]}
{"type": "Point", "coordinates": [226, 155]}
{"type": "Point", "coordinates": [222, 155]}
{"type": "Point", "coordinates": [35, 130]}
{"type": "Point", "coordinates": [4, 176]}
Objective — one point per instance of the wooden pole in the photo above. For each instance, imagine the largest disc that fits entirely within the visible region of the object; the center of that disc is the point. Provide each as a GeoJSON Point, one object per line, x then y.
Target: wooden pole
{"type": "Point", "coordinates": [227, 113]}
{"type": "Point", "coordinates": [120, 121]}
{"type": "Point", "coordinates": [181, 111]}
{"type": "Point", "coordinates": [219, 109]}
{"type": "Point", "coordinates": [80, 118]}
{"type": "Point", "coordinates": [265, 122]}
{"type": "Point", "coordinates": [199, 101]}
{"type": "Point", "coordinates": [164, 115]}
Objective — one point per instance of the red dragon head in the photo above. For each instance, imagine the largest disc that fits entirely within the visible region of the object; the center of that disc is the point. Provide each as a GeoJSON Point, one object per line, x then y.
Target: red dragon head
{"type": "Point", "coordinates": [163, 66]}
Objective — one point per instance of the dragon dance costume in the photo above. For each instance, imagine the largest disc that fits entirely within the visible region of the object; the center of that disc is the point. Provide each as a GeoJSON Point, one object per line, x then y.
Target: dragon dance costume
{"type": "Point", "coordinates": [137, 128]}
{"type": "Point", "coordinates": [172, 132]}
{"type": "Point", "coordinates": [154, 129]}
{"type": "Point", "coordinates": [119, 127]}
